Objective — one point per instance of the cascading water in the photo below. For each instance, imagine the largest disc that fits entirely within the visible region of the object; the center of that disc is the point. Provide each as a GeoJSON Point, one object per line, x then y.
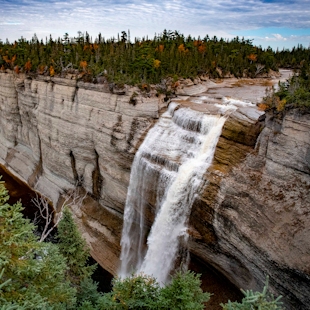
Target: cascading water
{"type": "Point", "coordinates": [166, 175]}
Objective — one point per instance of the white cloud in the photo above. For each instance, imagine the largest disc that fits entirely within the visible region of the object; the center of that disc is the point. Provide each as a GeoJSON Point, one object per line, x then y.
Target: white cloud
{"type": "Point", "coordinates": [145, 17]}
{"type": "Point", "coordinates": [276, 37]}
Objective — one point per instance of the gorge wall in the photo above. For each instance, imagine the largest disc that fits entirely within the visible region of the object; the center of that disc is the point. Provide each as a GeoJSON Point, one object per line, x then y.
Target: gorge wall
{"type": "Point", "coordinates": [58, 133]}
{"type": "Point", "coordinates": [251, 218]}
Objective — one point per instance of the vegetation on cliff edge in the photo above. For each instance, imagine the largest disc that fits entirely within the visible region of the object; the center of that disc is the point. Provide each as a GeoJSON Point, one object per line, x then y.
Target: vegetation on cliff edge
{"type": "Point", "coordinates": [291, 94]}
{"type": "Point", "coordinates": [144, 61]}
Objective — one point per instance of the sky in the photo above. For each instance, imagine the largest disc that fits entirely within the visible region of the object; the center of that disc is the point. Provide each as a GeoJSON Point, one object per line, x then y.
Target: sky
{"type": "Point", "coordinates": [275, 23]}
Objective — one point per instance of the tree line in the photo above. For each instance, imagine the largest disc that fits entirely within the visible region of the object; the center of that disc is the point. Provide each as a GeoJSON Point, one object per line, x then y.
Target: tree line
{"type": "Point", "coordinates": [143, 60]}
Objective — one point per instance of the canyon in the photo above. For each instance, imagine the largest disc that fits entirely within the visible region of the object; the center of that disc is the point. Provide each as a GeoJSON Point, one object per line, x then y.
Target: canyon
{"type": "Point", "coordinates": [250, 217]}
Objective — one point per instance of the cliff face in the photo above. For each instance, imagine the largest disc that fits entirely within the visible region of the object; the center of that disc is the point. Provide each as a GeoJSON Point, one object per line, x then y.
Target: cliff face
{"type": "Point", "coordinates": [56, 133]}
{"type": "Point", "coordinates": [257, 221]}
{"type": "Point", "coordinates": [251, 218]}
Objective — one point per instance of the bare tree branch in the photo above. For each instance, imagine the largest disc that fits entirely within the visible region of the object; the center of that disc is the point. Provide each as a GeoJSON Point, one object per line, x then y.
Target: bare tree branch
{"type": "Point", "coordinates": [259, 68]}
{"type": "Point", "coordinates": [72, 198]}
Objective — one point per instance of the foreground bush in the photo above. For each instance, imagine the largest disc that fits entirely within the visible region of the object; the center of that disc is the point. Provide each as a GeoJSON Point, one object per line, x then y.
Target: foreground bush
{"type": "Point", "coordinates": [143, 292]}
{"type": "Point", "coordinates": [255, 301]}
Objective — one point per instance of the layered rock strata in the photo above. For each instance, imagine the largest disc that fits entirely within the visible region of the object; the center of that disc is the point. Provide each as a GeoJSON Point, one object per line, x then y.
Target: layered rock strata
{"type": "Point", "coordinates": [251, 218]}
{"type": "Point", "coordinates": [56, 134]}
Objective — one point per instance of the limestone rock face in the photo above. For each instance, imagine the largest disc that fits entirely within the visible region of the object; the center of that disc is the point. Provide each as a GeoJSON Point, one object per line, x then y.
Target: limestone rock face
{"type": "Point", "coordinates": [253, 219]}
{"type": "Point", "coordinates": [57, 133]}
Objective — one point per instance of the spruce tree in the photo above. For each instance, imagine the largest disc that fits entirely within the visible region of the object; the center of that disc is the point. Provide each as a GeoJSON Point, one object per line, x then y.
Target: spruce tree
{"type": "Point", "coordinates": [32, 273]}
{"type": "Point", "coordinates": [73, 247]}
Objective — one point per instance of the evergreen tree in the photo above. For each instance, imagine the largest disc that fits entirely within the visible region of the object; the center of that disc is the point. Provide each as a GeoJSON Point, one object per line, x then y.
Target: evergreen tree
{"type": "Point", "coordinates": [184, 292]}
{"type": "Point", "coordinates": [143, 292]}
{"type": "Point", "coordinates": [145, 61]}
{"type": "Point", "coordinates": [255, 301]}
{"type": "Point", "coordinates": [32, 273]}
{"type": "Point", "coordinates": [73, 247]}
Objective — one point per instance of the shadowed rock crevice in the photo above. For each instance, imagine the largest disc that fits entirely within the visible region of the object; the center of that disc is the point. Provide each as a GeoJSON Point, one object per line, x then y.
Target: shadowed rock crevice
{"type": "Point", "coordinates": [33, 179]}
{"type": "Point", "coordinates": [97, 178]}
{"type": "Point", "coordinates": [74, 171]}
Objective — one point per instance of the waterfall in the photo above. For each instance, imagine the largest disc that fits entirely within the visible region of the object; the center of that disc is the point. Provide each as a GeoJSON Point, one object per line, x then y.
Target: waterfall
{"type": "Point", "coordinates": [165, 178]}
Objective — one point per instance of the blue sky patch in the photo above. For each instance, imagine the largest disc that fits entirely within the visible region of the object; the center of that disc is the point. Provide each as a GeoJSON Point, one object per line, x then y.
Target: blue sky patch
{"type": "Point", "coordinates": [276, 23]}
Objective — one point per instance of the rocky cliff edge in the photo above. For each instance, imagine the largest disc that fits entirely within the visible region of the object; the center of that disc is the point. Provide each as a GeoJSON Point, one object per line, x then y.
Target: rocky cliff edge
{"type": "Point", "coordinates": [251, 218]}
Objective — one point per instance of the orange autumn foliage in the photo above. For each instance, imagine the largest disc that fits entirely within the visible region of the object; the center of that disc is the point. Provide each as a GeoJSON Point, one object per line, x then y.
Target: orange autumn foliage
{"type": "Point", "coordinates": [16, 69]}
{"type": "Point", "coordinates": [272, 102]}
{"type": "Point", "coordinates": [252, 57]}
{"type": "Point", "coordinates": [201, 48]}
{"type": "Point", "coordinates": [144, 86]}
{"type": "Point", "coordinates": [197, 43]}
{"type": "Point", "coordinates": [28, 66]}
{"type": "Point", "coordinates": [175, 85]}
{"type": "Point", "coordinates": [52, 71]}
{"type": "Point", "coordinates": [83, 64]}
{"type": "Point", "coordinates": [263, 106]}
{"type": "Point", "coordinates": [160, 48]}
{"type": "Point", "coordinates": [181, 48]}
{"type": "Point", "coordinates": [6, 59]}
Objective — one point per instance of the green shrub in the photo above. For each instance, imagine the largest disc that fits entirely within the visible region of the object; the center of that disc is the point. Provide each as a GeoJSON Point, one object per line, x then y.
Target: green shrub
{"type": "Point", "coordinates": [144, 292]}
{"type": "Point", "coordinates": [255, 301]}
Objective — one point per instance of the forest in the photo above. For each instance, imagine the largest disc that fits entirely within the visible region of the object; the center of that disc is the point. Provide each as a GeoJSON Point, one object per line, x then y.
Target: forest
{"type": "Point", "coordinates": [144, 61]}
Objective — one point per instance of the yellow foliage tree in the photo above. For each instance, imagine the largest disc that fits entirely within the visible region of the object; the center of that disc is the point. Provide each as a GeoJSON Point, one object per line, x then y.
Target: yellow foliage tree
{"type": "Point", "coordinates": [181, 48]}
{"type": "Point", "coordinates": [52, 71]}
{"type": "Point", "coordinates": [156, 63]}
